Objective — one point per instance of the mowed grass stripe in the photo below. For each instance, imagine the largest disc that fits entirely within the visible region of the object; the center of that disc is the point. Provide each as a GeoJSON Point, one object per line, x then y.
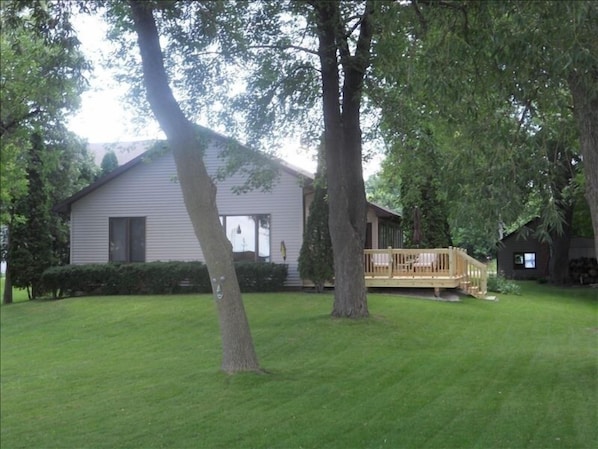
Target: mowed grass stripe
{"type": "Point", "coordinates": [143, 372]}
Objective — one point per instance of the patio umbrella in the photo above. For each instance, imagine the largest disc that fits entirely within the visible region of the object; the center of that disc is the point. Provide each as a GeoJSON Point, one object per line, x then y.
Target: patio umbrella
{"type": "Point", "coordinates": [417, 226]}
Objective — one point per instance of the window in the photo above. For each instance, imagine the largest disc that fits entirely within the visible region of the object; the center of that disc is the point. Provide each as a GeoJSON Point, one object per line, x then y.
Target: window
{"type": "Point", "coordinates": [249, 235]}
{"type": "Point", "coordinates": [127, 239]}
{"type": "Point", "coordinates": [522, 261]}
{"type": "Point", "coordinates": [389, 234]}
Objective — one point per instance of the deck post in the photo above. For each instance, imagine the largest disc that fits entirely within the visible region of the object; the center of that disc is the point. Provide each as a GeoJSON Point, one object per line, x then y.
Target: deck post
{"type": "Point", "coordinates": [390, 262]}
{"type": "Point", "coordinates": [451, 261]}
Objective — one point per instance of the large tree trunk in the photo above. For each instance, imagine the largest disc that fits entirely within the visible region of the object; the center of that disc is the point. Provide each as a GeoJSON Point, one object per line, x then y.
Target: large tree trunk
{"type": "Point", "coordinates": [199, 193]}
{"type": "Point", "coordinates": [342, 137]}
{"type": "Point", "coordinates": [7, 294]}
{"type": "Point", "coordinates": [559, 250]}
{"type": "Point", "coordinates": [584, 90]}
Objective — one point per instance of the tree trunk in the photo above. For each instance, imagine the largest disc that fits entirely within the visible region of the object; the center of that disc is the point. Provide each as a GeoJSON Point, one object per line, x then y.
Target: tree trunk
{"type": "Point", "coordinates": [584, 90]}
{"type": "Point", "coordinates": [199, 193]}
{"type": "Point", "coordinates": [7, 294]}
{"type": "Point", "coordinates": [558, 267]}
{"type": "Point", "coordinates": [342, 137]}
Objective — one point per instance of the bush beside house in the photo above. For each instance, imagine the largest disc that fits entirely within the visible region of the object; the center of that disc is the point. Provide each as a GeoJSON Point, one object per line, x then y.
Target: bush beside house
{"type": "Point", "coordinates": [156, 278]}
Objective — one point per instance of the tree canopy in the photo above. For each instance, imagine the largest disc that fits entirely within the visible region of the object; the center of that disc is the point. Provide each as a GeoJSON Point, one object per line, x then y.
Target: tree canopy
{"type": "Point", "coordinates": [486, 78]}
{"type": "Point", "coordinates": [275, 69]}
{"type": "Point", "coordinates": [41, 76]}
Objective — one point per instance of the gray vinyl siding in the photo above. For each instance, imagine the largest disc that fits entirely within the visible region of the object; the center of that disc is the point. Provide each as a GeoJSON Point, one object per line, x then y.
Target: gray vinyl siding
{"type": "Point", "coordinates": [149, 190]}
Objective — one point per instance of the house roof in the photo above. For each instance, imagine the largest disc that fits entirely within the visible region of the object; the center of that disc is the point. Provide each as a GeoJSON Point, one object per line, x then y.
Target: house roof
{"type": "Point", "coordinates": [65, 206]}
{"type": "Point", "coordinates": [384, 212]}
{"type": "Point", "coordinates": [151, 150]}
{"type": "Point", "coordinates": [520, 231]}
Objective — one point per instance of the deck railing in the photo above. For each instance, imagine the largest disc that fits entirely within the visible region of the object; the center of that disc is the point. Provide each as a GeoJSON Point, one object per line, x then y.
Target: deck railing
{"type": "Point", "coordinates": [475, 272]}
{"type": "Point", "coordinates": [453, 263]}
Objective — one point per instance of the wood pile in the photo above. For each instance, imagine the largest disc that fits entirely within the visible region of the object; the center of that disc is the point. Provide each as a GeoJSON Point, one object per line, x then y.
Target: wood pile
{"type": "Point", "coordinates": [584, 270]}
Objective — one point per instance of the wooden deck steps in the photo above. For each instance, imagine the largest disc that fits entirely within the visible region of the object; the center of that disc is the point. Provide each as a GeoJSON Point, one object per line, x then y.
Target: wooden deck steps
{"type": "Point", "coordinates": [426, 268]}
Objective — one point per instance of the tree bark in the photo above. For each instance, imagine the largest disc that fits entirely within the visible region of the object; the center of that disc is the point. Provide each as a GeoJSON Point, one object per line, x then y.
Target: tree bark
{"type": "Point", "coordinates": [558, 267]}
{"type": "Point", "coordinates": [584, 90]}
{"type": "Point", "coordinates": [343, 147]}
{"type": "Point", "coordinates": [199, 193]}
{"type": "Point", "coordinates": [7, 294]}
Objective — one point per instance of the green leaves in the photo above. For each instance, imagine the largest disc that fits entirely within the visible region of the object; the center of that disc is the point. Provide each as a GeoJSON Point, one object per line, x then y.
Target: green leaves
{"type": "Point", "coordinates": [487, 78]}
{"type": "Point", "coordinates": [41, 78]}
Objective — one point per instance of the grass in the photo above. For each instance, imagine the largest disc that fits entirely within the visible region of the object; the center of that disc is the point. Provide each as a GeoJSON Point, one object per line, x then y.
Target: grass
{"type": "Point", "coordinates": [18, 294]}
{"type": "Point", "coordinates": [142, 372]}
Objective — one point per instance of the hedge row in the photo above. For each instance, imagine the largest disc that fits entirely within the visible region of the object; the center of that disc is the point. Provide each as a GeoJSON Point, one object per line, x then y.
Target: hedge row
{"type": "Point", "coordinates": [155, 278]}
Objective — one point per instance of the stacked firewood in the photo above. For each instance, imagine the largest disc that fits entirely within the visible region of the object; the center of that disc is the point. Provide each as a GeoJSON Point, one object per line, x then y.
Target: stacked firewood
{"type": "Point", "coordinates": [584, 270]}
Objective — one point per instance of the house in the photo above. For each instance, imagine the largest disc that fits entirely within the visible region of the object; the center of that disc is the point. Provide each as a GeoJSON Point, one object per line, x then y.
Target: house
{"type": "Point", "coordinates": [522, 256]}
{"type": "Point", "coordinates": [136, 213]}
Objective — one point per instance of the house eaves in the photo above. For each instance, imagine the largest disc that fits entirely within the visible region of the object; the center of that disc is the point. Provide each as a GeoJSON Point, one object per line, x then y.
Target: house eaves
{"type": "Point", "coordinates": [158, 150]}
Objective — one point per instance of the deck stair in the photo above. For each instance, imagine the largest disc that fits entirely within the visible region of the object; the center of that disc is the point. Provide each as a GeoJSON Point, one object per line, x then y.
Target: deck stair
{"type": "Point", "coordinates": [429, 268]}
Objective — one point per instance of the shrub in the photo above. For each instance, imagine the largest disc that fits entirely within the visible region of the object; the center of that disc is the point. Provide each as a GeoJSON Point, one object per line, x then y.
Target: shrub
{"type": "Point", "coordinates": [316, 261]}
{"type": "Point", "coordinates": [498, 283]}
{"type": "Point", "coordinates": [155, 278]}
{"type": "Point", "coordinates": [260, 277]}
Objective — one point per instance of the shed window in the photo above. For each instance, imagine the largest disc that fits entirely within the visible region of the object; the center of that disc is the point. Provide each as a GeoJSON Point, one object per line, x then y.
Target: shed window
{"type": "Point", "coordinates": [249, 235]}
{"type": "Point", "coordinates": [127, 239]}
{"type": "Point", "coordinates": [523, 261]}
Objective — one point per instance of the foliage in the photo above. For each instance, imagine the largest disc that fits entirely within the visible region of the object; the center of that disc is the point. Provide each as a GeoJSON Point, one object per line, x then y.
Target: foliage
{"type": "Point", "coordinates": [498, 283]}
{"type": "Point", "coordinates": [261, 277]}
{"type": "Point", "coordinates": [30, 249]}
{"type": "Point", "coordinates": [470, 73]}
{"type": "Point", "coordinates": [19, 295]}
{"type": "Point", "coordinates": [155, 278]}
{"type": "Point", "coordinates": [384, 191]}
{"type": "Point", "coordinates": [583, 270]}
{"type": "Point", "coordinates": [57, 165]}
{"type": "Point", "coordinates": [316, 261]}
{"type": "Point", "coordinates": [418, 167]}
{"type": "Point", "coordinates": [477, 242]}
{"type": "Point", "coordinates": [42, 75]}
{"type": "Point", "coordinates": [475, 374]}
{"type": "Point", "coordinates": [281, 55]}
{"type": "Point", "coordinates": [109, 162]}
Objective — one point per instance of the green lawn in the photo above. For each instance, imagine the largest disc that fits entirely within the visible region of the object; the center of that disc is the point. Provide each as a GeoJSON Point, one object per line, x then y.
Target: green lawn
{"type": "Point", "coordinates": [142, 372]}
{"type": "Point", "coordinates": [18, 294]}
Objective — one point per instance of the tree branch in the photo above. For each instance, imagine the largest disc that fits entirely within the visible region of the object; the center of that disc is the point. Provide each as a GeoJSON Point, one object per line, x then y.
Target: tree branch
{"type": "Point", "coordinates": [422, 20]}
{"type": "Point", "coordinates": [6, 127]}
{"type": "Point", "coordinates": [283, 47]}
{"type": "Point", "coordinates": [362, 53]}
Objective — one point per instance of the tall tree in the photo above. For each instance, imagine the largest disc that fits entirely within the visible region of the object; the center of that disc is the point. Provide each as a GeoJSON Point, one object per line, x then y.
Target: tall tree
{"type": "Point", "coordinates": [42, 76]}
{"type": "Point", "coordinates": [286, 83]}
{"type": "Point", "coordinates": [316, 261]}
{"type": "Point", "coordinates": [199, 193]}
{"type": "Point", "coordinates": [308, 64]}
{"type": "Point", "coordinates": [31, 241]}
{"type": "Point", "coordinates": [57, 164]}
{"type": "Point", "coordinates": [488, 76]}
{"type": "Point", "coordinates": [109, 162]}
{"type": "Point", "coordinates": [418, 164]}
{"type": "Point", "coordinates": [341, 102]}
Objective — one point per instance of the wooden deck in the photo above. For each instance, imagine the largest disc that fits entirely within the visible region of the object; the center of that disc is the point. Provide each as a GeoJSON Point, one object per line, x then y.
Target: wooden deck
{"type": "Point", "coordinates": [426, 268]}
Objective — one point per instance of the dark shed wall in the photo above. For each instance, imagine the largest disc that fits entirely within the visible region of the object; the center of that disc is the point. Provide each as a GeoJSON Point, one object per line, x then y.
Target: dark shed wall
{"type": "Point", "coordinates": [506, 255]}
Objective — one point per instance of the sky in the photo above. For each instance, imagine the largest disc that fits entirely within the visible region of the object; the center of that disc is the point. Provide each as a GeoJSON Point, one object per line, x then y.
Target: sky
{"type": "Point", "coordinates": [103, 118]}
